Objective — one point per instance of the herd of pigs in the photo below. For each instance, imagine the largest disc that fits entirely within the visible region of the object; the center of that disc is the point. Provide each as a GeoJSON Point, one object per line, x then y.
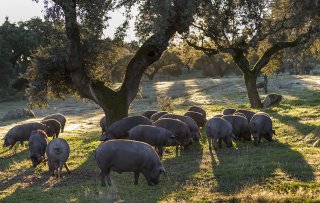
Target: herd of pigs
{"type": "Point", "coordinates": [128, 143]}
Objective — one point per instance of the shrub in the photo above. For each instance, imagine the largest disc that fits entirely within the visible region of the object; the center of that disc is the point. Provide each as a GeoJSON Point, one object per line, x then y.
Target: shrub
{"type": "Point", "coordinates": [165, 104]}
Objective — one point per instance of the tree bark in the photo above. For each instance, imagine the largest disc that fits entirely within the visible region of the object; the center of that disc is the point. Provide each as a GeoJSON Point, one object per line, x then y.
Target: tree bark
{"type": "Point", "coordinates": [252, 91]}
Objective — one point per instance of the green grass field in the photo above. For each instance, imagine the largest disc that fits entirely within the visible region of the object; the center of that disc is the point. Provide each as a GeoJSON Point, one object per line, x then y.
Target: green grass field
{"type": "Point", "coordinates": [287, 170]}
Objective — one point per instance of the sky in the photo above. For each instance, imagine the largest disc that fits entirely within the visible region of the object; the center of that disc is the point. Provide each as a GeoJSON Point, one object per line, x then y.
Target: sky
{"type": "Point", "coordinates": [22, 10]}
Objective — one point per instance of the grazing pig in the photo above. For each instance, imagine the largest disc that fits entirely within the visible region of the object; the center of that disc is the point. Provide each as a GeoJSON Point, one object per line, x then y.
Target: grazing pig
{"type": "Point", "coordinates": [128, 156]}
{"type": "Point", "coordinates": [149, 113]}
{"type": "Point", "coordinates": [37, 146]}
{"type": "Point", "coordinates": [154, 136]}
{"type": "Point", "coordinates": [197, 117]}
{"type": "Point", "coordinates": [21, 133]}
{"type": "Point", "coordinates": [240, 126]}
{"type": "Point", "coordinates": [192, 125]}
{"type": "Point", "coordinates": [157, 115]}
{"type": "Point", "coordinates": [54, 125]}
{"type": "Point", "coordinates": [261, 126]}
{"type": "Point", "coordinates": [199, 110]}
{"type": "Point", "coordinates": [120, 129]}
{"type": "Point", "coordinates": [178, 128]}
{"type": "Point", "coordinates": [103, 124]}
{"type": "Point", "coordinates": [240, 114]}
{"type": "Point", "coordinates": [218, 129]}
{"type": "Point", "coordinates": [248, 114]}
{"type": "Point", "coordinates": [228, 111]}
{"type": "Point", "coordinates": [59, 117]}
{"type": "Point", "coordinates": [58, 153]}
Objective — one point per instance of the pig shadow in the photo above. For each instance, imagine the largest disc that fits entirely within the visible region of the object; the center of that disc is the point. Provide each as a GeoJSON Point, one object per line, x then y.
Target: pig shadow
{"type": "Point", "coordinates": [8, 156]}
{"type": "Point", "coordinates": [248, 165]}
{"type": "Point", "coordinates": [180, 170]}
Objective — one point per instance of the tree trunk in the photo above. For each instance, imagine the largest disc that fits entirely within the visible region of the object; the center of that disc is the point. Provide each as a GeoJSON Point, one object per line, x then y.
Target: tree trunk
{"type": "Point", "coordinates": [265, 82]}
{"type": "Point", "coordinates": [253, 95]}
{"type": "Point", "coordinates": [115, 104]}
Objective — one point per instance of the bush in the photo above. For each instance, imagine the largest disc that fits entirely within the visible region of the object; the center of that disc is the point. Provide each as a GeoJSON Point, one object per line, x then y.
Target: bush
{"type": "Point", "coordinates": [165, 104]}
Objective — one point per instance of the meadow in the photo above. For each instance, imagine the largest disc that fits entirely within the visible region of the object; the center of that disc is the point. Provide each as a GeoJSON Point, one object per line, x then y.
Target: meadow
{"type": "Point", "coordinates": [287, 170]}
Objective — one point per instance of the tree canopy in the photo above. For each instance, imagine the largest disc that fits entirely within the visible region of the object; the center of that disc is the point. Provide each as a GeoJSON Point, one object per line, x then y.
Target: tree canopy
{"type": "Point", "coordinates": [244, 28]}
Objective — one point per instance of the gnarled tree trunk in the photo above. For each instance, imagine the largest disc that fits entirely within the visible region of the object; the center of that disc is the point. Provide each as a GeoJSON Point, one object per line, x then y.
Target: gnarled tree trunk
{"type": "Point", "coordinates": [116, 103]}
{"type": "Point", "coordinates": [252, 91]}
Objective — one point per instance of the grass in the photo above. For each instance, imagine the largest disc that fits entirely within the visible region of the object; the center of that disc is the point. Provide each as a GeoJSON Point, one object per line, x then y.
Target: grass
{"type": "Point", "coordinates": [287, 170]}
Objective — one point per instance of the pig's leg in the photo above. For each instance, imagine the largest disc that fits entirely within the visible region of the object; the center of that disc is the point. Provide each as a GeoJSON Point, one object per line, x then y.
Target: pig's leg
{"type": "Point", "coordinates": [103, 179]}
{"type": "Point", "coordinates": [220, 143]}
{"type": "Point", "coordinates": [136, 177]}
{"type": "Point", "coordinates": [160, 151]}
{"type": "Point", "coordinates": [108, 176]}
{"type": "Point", "coordinates": [259, 138]}
{"type": "Point", "coordinates": [60, 169]}
{"type": "Point", "coordinates": [210, 143]}
{"type": "Point", "coordinates": [51, 169]}
{"type": "Point", "coordinates": [215, 144]}
{"type": "Point", "coordinates": [67, 167]}
{"type": "Point", "coordinates": [55, 168]}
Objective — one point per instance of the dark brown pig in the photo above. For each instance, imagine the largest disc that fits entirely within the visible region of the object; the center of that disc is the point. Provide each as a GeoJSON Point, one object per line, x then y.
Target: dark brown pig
{"type": "Point", "coordinates": [54, 125]}
{"type": "Point", "coordinates": [22, 132]}
{"type": "Point", "coordinates": [120, 129]}
{"type": "Point", "coordinates": [37, 146]}
{"type": "Point", "coordinates": [197, 117]}
{"type": "Point", "coordinates": [128, 156]}
{"type": "Point", "coordinates": [59, 117]}
{"type": "Point", "coordinates": [154, 136]}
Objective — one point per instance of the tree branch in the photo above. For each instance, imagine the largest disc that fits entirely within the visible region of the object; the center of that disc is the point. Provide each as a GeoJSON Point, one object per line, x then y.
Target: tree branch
{"type": "Point", "coordinates": [264, 60]}
{"type": "Point", "coordinates": [153, 48]}
{"type": "Point", "coordinates": [75, 65]}
{"type": "Point", "coordinates": [208, 51]}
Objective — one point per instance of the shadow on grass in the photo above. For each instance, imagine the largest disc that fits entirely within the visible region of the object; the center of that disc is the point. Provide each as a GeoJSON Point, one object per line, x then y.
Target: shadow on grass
{"type": "Point", "coordinates": [7, 156]}
{"type": "Point", "coordinates": [293, 121]}
{"type": "Point", "coordinates": [180, 170]}
{"type": "Point", "coordinates": [249, 165]}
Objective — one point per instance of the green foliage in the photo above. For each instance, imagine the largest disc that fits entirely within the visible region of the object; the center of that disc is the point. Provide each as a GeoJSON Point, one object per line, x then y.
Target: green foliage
{"type": "Point", "coordinates": [18, 42]}
{"type": "Point", "coordinates": [215, 66]}
{"type": "Point", "coordinates": [168, 64]}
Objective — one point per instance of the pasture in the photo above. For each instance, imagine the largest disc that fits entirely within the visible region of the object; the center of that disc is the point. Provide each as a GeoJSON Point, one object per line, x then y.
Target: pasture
{"type": "Point", "coordinates": [287, 170]}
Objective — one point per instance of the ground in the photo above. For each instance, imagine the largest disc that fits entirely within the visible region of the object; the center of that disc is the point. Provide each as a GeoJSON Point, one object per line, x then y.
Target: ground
{"type": "Point", "coordinates": [287, 170]}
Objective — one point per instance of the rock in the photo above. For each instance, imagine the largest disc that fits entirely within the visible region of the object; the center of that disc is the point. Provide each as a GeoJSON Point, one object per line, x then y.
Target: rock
{"type": "Point", "coordinates": [316, 144]}
{"type": "Point", "coordinates": [272, 99]}
{"type": "Point", "coordinates": [19, 113]}
{"type": "Point", "coordinates": [313, 137]}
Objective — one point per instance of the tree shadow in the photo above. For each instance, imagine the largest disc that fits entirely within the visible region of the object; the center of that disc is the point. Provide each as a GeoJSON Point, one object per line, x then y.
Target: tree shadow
{"type": "Point", "coordinates": [248, 165]}
{"type": "Point", "coordinates": [293, 121]}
